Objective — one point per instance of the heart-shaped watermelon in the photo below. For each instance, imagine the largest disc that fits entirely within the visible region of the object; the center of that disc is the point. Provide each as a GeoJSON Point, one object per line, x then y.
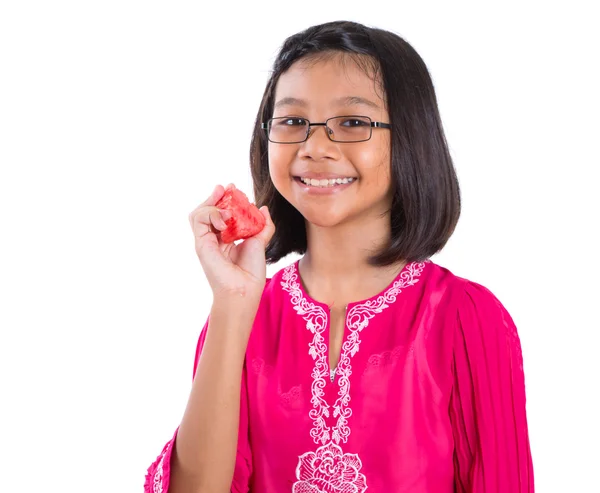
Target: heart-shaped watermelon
{"type": "Point", "coordinates": [246, 220]}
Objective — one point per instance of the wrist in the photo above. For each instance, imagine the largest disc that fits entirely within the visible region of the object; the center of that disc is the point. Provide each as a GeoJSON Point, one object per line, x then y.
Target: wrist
{"type": "Point", "coordinates": [236, 294]}
{"type": "Point", "coordinates": [234, 310]}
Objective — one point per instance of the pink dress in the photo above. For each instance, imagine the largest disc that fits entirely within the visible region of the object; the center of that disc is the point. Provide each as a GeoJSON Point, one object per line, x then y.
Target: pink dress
{"type": "Point", "coordinates": [428, 395]}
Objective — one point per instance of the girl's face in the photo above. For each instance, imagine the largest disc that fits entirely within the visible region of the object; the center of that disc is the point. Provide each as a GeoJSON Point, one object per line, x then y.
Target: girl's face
{"type": "Point", "coordinates": [318, 91]}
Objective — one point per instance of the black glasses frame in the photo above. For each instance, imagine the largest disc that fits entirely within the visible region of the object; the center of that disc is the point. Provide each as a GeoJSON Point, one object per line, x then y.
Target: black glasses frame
{"type": "Point", "coordinates": [329, 131]}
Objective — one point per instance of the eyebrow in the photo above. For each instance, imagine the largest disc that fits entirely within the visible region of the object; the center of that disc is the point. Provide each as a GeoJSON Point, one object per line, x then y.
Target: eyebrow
{"type": "Point", "coordinates": [343, 101]}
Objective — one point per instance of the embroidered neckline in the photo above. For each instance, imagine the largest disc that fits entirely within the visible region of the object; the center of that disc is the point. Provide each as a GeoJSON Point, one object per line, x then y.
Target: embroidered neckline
{"type": "Point", "coordinates": [329, 461]}
{"type": "Point", "coordinates": [358, 316]}
{"type": "Point", "coordinates": [308, 297]}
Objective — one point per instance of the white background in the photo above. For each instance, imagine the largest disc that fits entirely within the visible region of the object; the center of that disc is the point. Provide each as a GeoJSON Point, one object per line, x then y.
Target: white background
{"type": "Point", "coordinates": [112, 129]}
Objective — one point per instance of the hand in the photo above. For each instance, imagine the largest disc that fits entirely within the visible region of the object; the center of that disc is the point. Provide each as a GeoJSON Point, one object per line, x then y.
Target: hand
{"type": "Point", "coordinates": [231, 269]}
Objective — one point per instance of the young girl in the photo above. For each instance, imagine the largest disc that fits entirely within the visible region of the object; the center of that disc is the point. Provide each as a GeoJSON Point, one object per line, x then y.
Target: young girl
{"type": "Point", "coordinates": [364, 365]}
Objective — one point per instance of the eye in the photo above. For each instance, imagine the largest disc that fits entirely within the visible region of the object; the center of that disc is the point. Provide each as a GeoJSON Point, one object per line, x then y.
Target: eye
{"type": "Point", "coordinates": [355, 122]}
{"type": "Point", "coordinates": [290, 122]}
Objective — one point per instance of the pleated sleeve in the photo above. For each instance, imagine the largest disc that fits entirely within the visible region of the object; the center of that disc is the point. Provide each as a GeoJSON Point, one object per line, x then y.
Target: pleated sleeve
{"type": "Point", "coordinates": [158, 474]}
{"type": "Point", "coordinates": [487, 406]}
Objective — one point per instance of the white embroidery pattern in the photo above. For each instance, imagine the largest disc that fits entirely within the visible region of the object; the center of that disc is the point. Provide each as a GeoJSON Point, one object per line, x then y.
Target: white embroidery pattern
{"type": "Point", "coordinates": [316, 320]}
{"type": "Point", "coordinates": [329, 469]}
{"type": "Point", "coordinates": [158, 475]}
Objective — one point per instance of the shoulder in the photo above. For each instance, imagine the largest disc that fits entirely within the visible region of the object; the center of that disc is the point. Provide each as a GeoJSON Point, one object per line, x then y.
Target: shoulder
{"type": "Point", "coordinates": [470, 294]}
{"type": "Point", "coordinates": [438, 281]}
{"type": "Point", "coordinates": [474, 309]}
{"type": "Point", "coordinates": [478, 300]}
{"type": "Point", "coordinates": [482, 324]}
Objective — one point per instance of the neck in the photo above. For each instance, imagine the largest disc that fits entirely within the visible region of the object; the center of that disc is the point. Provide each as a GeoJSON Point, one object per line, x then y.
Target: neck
{"type": "Point", "coordinates": [338, 258]}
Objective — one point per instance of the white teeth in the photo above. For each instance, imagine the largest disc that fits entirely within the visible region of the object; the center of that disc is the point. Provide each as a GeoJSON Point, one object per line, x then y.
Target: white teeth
{"type": "Point", "coordinates": [326, 183]}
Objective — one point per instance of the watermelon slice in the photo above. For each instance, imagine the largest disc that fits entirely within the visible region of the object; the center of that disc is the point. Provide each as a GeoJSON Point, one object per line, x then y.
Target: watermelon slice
{"type": "Point", "coordinates": [246, 220]}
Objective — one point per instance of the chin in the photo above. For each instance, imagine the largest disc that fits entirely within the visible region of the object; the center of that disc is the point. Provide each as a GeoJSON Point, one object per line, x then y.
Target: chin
{"type": "Point", "coordinates": [323, 220]}
{"type": "Point", "coordinates": [322, 224]}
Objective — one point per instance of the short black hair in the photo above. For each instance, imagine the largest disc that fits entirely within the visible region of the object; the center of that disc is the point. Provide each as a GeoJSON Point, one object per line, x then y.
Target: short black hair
{"type": "Point", "coordinates": [426, 202]}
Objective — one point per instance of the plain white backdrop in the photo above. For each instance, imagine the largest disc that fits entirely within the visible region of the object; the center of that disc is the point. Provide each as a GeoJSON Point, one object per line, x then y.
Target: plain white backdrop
{"type": "Point", "coordinates": [117, 118]}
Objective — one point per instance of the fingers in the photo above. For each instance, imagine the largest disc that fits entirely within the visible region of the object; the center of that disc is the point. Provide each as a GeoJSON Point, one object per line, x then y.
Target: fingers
{"type": "Point", "coordinates": [208, 219]}
{"type": "Point", "coordinates": [269, 230]}
{"type": "Point", "coordinates": [216, 194]}
{"type": "Point", "coordinates": [206, 223]}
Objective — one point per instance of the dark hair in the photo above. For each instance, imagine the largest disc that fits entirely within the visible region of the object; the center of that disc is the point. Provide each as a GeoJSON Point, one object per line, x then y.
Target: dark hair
{"type": "Point", "coordinates": [426, 201]}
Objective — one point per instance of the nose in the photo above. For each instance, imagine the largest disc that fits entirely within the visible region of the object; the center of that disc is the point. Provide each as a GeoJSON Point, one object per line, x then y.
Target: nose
{"type": "Point", "coordinates": [312, 130]}
{"type": "Point", "coordinates": [320, 146]}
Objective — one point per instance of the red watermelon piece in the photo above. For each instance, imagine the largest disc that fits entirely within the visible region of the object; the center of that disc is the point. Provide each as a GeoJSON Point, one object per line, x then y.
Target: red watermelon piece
{"type": "Point", "coordinates": [246, 220]}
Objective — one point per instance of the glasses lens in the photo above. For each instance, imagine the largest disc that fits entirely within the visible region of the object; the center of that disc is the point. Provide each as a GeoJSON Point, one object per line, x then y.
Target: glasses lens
{"type": "Point", "coordinates": [287, 129]}
{"type": "Point", "coordinates": [350, 128]}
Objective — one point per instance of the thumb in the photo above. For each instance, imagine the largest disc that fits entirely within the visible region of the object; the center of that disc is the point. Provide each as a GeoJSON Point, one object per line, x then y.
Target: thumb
{"type": "Point", "coordinates": [251, 258]}
{"type": "Point", "coordinates": [269, 229]}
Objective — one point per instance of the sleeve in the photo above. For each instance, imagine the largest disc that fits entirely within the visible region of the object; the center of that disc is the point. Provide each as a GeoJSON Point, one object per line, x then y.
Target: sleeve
{"type": "Point", "coordinates": [487, 407]}
{"type": "Point", "coordinates": [158, 474]}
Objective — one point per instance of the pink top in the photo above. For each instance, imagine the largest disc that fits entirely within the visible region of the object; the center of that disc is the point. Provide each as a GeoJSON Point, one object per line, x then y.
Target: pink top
{"type": "Point", "coordinates": [428, 396]}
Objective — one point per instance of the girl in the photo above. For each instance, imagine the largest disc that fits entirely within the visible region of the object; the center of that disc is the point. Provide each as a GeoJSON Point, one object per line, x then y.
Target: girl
{"type": "Point", "coordinates": [364, 365]}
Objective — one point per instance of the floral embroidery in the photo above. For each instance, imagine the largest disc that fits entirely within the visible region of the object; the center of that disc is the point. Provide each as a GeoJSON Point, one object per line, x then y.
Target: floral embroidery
{"type": "Point", "coordinates": [260, 367]}
{"type": "Point", "coordinates": [290, 398]}
{"type": "Point", "coordinates": [379, 361]}
{"type": "Point", "coordinates": [329, 469]}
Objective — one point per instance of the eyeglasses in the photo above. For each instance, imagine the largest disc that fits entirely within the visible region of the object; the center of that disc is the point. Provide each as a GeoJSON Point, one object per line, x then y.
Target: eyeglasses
{"type": "Point", "coordinates": [294, 130]}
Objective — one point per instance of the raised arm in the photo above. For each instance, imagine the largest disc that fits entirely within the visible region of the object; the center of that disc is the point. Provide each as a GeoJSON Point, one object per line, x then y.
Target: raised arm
{"type": "Point", "coordinates": [210, 452]}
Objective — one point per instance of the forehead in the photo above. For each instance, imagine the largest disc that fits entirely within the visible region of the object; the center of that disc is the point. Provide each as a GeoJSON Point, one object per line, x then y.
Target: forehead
{"type": "Point", "coordinates": [329, 82]}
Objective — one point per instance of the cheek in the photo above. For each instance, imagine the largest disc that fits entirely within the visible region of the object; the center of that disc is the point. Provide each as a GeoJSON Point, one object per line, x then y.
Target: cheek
{"type": "Point", "coordinates": [280, 159]}
{"type": "Point", "coordinates": [374, 166]}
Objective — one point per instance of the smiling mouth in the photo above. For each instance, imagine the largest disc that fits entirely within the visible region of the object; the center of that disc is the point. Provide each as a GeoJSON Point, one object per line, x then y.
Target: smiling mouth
{"type": "Point", "coordinates": [325, 183]}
